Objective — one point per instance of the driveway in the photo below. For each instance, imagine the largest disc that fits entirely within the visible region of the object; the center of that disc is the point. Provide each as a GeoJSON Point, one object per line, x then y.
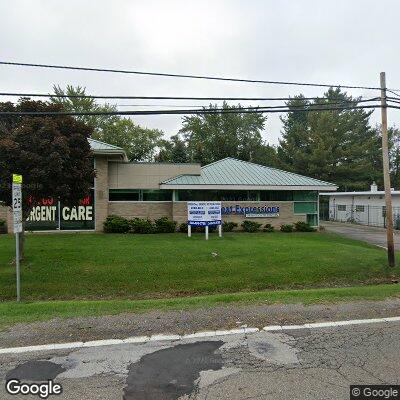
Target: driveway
{"type": "Point", "coordinates": [369, 234]}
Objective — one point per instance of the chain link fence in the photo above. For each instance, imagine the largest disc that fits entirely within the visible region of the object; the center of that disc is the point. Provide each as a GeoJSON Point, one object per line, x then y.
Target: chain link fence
{"type": "Point", "coordinates": [359, 214]}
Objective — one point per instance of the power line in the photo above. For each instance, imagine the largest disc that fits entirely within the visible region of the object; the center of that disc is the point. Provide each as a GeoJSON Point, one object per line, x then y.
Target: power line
{"type": "Point", "coordinates": [170, 75]}
{"type": "Point", "coordinates": [258, 110]}
{"type": "Point", "coordinates": [393, 92]}
{"type": "Point", "coordinates": [161, 97]}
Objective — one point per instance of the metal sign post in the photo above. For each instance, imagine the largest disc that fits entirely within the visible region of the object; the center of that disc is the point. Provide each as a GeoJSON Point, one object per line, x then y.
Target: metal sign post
{"type": "Point", "coordinates": [17, 222]}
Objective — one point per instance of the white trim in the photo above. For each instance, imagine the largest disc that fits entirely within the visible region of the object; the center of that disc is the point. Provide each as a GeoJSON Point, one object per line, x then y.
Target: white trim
{"type": "Point", "coordinates": [162, 337]}
{"type": "Point", "coordinates": [248, 187]}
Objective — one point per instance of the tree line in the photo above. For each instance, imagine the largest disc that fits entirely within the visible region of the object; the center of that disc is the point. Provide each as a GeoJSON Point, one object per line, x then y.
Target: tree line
{"type": "Point", "coordinates": [339, 146]}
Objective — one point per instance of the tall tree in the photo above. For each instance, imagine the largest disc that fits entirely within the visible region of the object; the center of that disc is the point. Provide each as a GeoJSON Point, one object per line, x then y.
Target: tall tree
{"type": "Point", "coordinates": [173, 150]}
{"type": "Point", "coordinates": [337, 146]}
{"type": "Point", "coordinates": [51, 153]}
{"type": "Point", "coordinates": [210, 137]}
{"type": "Point", "coordinates": [139, 143]}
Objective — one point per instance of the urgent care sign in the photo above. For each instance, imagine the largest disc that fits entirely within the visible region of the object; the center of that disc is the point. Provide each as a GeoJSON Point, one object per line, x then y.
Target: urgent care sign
{"type": "Point", "coordinates": [52, 214]}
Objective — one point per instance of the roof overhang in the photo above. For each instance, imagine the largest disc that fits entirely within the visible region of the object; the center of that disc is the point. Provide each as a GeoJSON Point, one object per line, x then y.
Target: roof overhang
{"type": "Point", "coordinates": [247, 187]}
{"type": "Point", "coordinates": [119, 154]}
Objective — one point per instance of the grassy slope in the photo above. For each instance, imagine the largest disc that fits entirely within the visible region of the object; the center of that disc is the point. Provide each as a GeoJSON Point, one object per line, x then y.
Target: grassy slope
{"type": "Point", "coordinates": [93, 266]}
{"type": "Point", "coordinates": [12, 312]}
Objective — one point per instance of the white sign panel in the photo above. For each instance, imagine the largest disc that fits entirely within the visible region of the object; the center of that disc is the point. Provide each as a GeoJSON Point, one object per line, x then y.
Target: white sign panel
{"type": "Point", "coordinates": [204, 213]}
{"type": "Point", "coordinates": [17, 204]}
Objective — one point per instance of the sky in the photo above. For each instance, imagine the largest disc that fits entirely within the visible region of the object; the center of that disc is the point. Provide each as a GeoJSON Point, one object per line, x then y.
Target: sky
{"type": "Point", "coordinates": [336, 42]}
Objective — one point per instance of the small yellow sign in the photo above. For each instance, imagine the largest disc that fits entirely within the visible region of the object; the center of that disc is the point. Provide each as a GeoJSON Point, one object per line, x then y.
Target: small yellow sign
{"type": "Point", "coordinates": [17, 178]}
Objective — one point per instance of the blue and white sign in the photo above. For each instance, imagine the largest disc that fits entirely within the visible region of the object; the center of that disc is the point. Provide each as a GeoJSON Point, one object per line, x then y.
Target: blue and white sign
{"type": "Point", "coordinates": [204, 213]}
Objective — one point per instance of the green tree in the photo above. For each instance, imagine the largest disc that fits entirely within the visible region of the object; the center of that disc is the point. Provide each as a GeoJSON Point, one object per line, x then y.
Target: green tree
{"type": "Point", "coordinates": [210, 137]}
{"type": "Point", "coordinates": [51, 153]}
{"type": "Point", "coordinates": [336, 146]}
{"type": "Point", "coordinates": [139, 143]}
{"type": "Point", "coordinates": [173, 150]}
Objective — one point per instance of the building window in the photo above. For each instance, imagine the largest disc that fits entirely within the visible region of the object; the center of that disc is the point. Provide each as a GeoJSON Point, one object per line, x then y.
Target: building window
{"type": "Point", "coordinates": [139, 195]}
{"type": "Point", "coordinates": [304, 207]}
{"type": "Point", "coordinates": [360, 208]}
{"type": "Point", "coordinates": [312, 219]}
{"type": "Point", "coordinates": [341, 207]}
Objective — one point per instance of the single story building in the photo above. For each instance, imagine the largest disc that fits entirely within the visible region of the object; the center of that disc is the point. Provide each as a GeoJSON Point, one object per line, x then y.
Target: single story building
{"type": "Point", "coordinates": [364, 207]}
{"type": "Point", "coordinates": [154, 190]}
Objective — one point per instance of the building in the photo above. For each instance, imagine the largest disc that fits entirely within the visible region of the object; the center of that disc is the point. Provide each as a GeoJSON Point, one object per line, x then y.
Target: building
{"type": "Point", "coordinates": [366, 208]}
{"type": "Point", "coordinates": [154, 190]}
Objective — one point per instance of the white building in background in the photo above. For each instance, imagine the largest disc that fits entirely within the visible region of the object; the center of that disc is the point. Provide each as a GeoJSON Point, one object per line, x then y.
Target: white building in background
{"type": "Point", "coordinates": [366, 208]}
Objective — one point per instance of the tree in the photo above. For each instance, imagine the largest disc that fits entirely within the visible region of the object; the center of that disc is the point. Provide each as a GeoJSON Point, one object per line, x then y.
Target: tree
{"type": "Point", "coordinates": [173, 150]}
{"type": "Point", "coordinates": [336, 146]}
{"type": "Point", "coordinates": [74, 103]}
{"type": "Point", "coordinates": [210, 137]}
{"type": "Point", "coordinates": [139, 143]}
{"type": "Point", "coordinates": [51, 153]}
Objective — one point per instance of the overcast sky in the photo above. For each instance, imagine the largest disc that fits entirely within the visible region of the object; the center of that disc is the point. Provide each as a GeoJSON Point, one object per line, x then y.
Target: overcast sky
{"type": "Point", "coordinates": [341, 41]}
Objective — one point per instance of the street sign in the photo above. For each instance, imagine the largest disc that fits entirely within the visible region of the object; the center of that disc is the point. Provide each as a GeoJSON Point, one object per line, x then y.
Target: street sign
{"type": "Point", "coordinates": [17, 222]}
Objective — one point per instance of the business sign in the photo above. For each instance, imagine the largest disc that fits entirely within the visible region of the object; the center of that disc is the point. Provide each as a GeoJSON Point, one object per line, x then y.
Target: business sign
{"type": "Point", "coordinates": [204, 213]}
{"type": "Point", "coordinates": [252, 211]}
{"type": "Point", "coordinates": [50, 214]}
{"type": "Point", "coordinates": [17, 203]}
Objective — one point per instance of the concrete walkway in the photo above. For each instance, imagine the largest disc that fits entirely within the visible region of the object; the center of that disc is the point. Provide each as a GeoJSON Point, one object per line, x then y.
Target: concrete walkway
{"type": "Point", "coordinates": [369, 234]}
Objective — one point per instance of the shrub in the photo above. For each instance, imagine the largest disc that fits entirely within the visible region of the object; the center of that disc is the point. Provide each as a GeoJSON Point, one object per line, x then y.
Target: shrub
{"type": "Point", "coordinates": [302, 226]}
{"type": "Point", "coordinates": [229, 226]}
{"type": "Point", "coordinates": [141, 225]}
{"type": "Point", "coordinates": [165, 225]}
{"type": "Point", "coordinates": [183, 227]}
{"type": "Point", "coordinates": [268, 228]}
{"type": "Point", "coordinates": [250, 226]}
{"type": "Point", "coordinates": [3, 228]}
{"type": "Point", "coordinates": [287, 228]}
{"type": "Point", "coordinates": [116, 224]}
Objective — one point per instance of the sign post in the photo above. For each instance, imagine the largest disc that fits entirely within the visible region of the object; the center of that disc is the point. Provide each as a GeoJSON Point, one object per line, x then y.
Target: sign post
{"type": "Point", "coordinates": [17, 222]}
{"type": "Point", "coordinates": [204, 213]}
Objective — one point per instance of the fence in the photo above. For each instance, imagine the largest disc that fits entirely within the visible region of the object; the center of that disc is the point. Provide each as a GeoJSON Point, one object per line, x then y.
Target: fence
{"type": "Point", "coordinates": [359, 214]}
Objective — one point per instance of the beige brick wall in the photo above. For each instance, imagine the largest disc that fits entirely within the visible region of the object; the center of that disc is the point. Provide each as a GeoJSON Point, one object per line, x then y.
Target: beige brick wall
{"type": "Point", "coordinates": [146, 175]}
{"type": "Point", "coordinates": [101, 192]}
{"type": "Point", "coordinates": [151, 210]}
{"type": "Point", "coordinates": [286, 215]}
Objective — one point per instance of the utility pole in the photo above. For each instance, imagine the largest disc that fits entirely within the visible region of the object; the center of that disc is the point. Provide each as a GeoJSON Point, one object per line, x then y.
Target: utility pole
{"type": "Point", "coordinates": [386, 173]}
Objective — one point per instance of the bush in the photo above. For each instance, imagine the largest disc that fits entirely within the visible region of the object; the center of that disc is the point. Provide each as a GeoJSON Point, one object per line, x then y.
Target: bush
{"type": "Point", "coordinates": [229, 226]}
{"type": "Point", "coordinates": [116, 224]}
{"type": "Point", "coordinates": [287, 228]}
{"type": "Point", "coordinates": [3, 228]}
{"type": "Point", "coordinates": [165, 225]}
{"type": "Point", "coordinates": [301, 226]}
{"type": "Point", "coordinates": [183, 227]}
{"type": "Point", "coordinates": [140, 225]}
{"type": "Point", "coordinates": [250, 226]}
{"type": "Point", "coordinates": [268, 228]}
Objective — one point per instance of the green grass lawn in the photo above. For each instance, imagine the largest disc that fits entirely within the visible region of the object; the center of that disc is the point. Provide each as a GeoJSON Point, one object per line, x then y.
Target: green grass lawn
{"type": "Point", "coordinates": [97, 266]}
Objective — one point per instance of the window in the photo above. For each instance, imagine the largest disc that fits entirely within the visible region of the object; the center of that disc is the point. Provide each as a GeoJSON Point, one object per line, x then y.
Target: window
{"type": "Point", "coordinates": [140, 195]}
{"type": "Point", "coordinates": [312, 219]}
{"type": "Point", "coordinates": [341, 207]}
{"type": "Point", "coordinates": [304, 207]}
{"type": "Point", "coordinates": [278, 195]}
{"type": "Point", "coordinates": [360, 208]}
{"type": "Point", "coordinates": [305, 196]}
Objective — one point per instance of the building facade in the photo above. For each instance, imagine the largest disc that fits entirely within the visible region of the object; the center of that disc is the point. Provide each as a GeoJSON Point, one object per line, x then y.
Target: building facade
{"type": "Point", "coordinates": [366, 208]}
{"type": "Point", "coordinates": [154, 190]}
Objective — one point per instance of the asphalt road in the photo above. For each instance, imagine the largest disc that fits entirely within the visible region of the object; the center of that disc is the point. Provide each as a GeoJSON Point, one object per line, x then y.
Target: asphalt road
{"type": "Point", "coordinates": [369, 234]}
{"type": "Point", "coordinates": [317, 363]}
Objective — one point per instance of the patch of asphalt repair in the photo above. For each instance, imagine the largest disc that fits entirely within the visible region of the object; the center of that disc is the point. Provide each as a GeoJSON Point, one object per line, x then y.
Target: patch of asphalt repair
{"type": "Point", "coordinates": [171, 373]}
{"type": "Point", "coordinates": [36, 371]}
{"type": "Point", "coordinates": [187, 321]}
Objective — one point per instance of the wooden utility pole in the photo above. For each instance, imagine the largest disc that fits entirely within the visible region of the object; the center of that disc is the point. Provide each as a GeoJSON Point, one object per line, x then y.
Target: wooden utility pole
{"type": "Point", "coordinates": [386, 174]}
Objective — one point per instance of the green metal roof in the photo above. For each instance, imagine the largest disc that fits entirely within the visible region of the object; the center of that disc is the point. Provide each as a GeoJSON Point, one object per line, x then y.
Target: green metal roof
{"type": "Point", "coordinates": [97, 145]}
{"type": "Point", "coordinates": [232, 172]}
